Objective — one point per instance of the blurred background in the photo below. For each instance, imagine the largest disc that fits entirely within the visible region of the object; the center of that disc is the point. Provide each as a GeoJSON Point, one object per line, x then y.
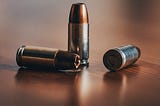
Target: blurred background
{"type": "Point", "coordinates": [112, 23]}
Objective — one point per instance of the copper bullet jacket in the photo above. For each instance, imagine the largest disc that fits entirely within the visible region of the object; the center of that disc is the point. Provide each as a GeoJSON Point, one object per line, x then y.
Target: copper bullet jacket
{"type": "Point", "coordinates": [78, 13]}
{"type": "Point", "coordinates": [48, 58]}
{"type": "Point", "coordinates": [78, 32]}
{"type": "Point", "coordinates": [118, 58]}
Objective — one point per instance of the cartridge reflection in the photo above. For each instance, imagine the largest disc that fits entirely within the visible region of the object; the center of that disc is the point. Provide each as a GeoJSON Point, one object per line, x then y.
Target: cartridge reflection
{"type": "Point", "coordinates": [83, 85]}
{"type": "Point", "coordinates": [117, 83]}
{"type": "Point", "coordinates": [55, 87]}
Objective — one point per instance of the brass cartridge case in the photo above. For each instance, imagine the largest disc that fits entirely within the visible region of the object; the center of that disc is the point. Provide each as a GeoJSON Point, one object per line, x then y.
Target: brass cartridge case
{"type": "Point", "coordinates": [41, 57]}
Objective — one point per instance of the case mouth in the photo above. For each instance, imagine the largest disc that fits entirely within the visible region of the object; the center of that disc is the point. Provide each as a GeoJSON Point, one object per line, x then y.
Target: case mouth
{"type": "Point", "coordinates": [77, 62]}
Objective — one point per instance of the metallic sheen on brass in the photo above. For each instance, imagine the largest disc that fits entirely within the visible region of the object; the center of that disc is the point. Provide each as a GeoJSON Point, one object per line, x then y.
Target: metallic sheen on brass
{"type": "Point", "coordinates": [118, 58]}
{"type": "Point", "coordinates": [41, 57]}
{"type": "Point", "coordinates": [78, 32]}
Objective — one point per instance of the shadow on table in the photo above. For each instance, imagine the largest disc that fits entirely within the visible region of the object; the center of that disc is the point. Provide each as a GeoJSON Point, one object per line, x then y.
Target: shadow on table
{"type": "Point", "coordinates": [8, 67]}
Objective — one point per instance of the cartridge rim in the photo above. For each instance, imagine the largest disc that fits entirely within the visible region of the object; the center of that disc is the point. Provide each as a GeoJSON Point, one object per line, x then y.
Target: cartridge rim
{"type": "Point", "coordinates": [113, 60]}
{"type": "Point", "coordinates": [19, 55]}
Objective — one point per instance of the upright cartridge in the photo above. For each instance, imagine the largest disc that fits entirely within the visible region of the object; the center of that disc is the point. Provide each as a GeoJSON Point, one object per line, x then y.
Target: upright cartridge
{"type": "Point", "coordinates": [78, 32]}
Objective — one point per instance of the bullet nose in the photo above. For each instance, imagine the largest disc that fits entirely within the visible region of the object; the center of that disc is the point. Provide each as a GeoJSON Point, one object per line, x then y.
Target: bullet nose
{"type": "Point", "coordinates": [78, 13]}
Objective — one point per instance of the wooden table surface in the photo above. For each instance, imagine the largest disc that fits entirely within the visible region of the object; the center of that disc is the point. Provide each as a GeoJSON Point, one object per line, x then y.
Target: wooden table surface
{"type": "Point", "coordinates": [112, 24]}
